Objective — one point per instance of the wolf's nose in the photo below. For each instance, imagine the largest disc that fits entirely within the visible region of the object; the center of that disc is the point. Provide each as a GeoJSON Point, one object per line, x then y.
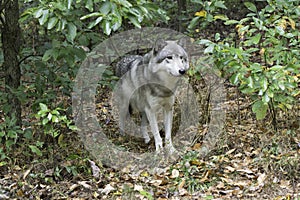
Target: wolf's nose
{"type": "Point", "coordinates": [181, 71]}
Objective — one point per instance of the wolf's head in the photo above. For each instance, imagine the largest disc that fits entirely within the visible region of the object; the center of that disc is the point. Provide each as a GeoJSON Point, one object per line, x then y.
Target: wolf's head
{"type": "Point", "coordinates": [169, 58]}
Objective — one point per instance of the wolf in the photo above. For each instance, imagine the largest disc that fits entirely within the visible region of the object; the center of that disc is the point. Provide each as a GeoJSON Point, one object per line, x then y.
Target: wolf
{"type": "Point", "coordinates": [148, 84]}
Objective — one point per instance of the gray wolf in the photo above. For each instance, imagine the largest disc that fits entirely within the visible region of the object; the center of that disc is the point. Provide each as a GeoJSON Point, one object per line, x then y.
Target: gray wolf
{"type": "Point", "coordinates": [148, 84]}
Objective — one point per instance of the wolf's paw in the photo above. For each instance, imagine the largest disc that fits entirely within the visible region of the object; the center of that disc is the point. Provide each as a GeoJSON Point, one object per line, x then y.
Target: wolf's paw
{"type": "Point", "coordinates": [170, 148]}
{"type": "Point", "coordinates": [158, 144]}
{"type": "Point", "coordinates": [147, 139]}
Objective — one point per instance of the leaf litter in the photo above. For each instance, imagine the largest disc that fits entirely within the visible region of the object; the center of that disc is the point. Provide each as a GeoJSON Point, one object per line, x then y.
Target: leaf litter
{"type": "Point", "coordinates": [253, 161]}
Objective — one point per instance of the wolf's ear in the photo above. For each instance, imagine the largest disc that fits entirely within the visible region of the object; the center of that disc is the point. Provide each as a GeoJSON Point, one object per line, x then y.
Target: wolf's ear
{"type": "Point", "coordinates": [159, 45]}
{"type": "Point", "coordinates": [183, 42]}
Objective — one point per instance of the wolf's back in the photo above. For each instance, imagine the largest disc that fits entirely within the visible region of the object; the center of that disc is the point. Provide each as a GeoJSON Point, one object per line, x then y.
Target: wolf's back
{"type": "Point", "coordinates": [125, 64]}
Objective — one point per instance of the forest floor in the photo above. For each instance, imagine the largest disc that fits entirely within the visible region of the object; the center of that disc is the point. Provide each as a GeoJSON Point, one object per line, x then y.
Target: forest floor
{"type": "Point", "coordinates": [251, 161]}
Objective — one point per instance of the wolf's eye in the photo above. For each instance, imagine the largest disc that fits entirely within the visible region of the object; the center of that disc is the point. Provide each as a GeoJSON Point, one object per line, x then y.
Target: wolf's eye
{"type": "Point", "coordinates": [183, 58]}
{"type": "Point", "coordinates": [168, 58]}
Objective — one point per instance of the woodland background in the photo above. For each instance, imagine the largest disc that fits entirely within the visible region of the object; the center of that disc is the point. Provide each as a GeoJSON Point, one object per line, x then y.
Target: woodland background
{"type": "Point", "coordinates": [254, 46]}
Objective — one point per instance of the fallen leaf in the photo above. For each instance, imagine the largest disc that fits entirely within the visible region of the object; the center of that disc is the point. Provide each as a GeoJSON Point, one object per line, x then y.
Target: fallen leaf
{"type": "Point", "coordinates": [229, 169]}
{"type": "Point", "coordinates": [108, 188]}
{"type": "Point", "coordinates": [180, 186]}
{"type": "Point", "coordinates": [138, 188]}
{"type": "Point", "coordinates": [230, 151]}
{"type": "Point", "coordinates": [95, 169]}
{"type": "Point", "coordinates": [247, 171]}
{"type": "Point", "coordinates": [284, 184]}
{"type": "Point", "coordinates": [84, 184]}
{"type": "Point", "coordinates": [261, 178]}
{"type": "Point", "coordinates": [175, 173]}
{"type": "Point", "coordinates": [156, 182]}
{"type": "Point", "coordinates": [73, 187]}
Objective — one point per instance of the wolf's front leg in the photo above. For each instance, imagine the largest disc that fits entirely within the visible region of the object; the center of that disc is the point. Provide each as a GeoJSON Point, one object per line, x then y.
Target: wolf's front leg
{"type": "Point", "coordinates": [154, 128]}
{"type": "Point", "coordinates": [144, 128]}
{"type": "Point", "coordinates": [168, 119]}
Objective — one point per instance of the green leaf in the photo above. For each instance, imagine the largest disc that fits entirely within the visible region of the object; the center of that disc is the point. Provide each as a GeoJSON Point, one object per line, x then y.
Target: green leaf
{"type": "Point", "coordinates": [204, 41]}
{"type": "Point", "coordinates": [266, 98]}
{"type": "Point", "coordinates": [230, 22]}
{"type": "Point", "coordinates": [47, 55]}
{"type": "Point", "coordinates": [260, 109]}
{"type": "Point", "coordinates": [54, 119]}
{"type": "Point", "coordinates": [38, 13]}
{"type": "Point", "coordinates": [52, 22]}
{"type": "Point", "coordinates": [35, 150]}
{"type": "Point", "coordinates": [89, 5]}
{"type": "Point", "coordinates": [250, 6]}
{"type": "Point", "coordinates": [44, 18]}
{"type": "Point", "coordinates": [264, 84]}
{"type": "Point", "coordinates": [43, 107]}
{"type": "Point", "coordinates": [69, 4]}
{"type": "Point", "coordinates": [279, 30]}
{"type": "Point", "coordinates": [9, 143]}
{"type": "Point", "coordinates": [94, 14]}
{"type": "Point", "coordinates": [250, 82]}
{"type": "Point", "coordinates": [49, 116]}
{"type": "Point", "coordinates": [210, 48]}
{"type": "Point", "coordinates": [234, 79]}
{"type": "Point", "coordinates": [256, 38]}
{"type": "Point", "coordinates": [106, 27]}
{"type": "Point", "coordinates": [194, 22]}
{"type": "Point", "coordinates": [72, 31]}
{"type": "Point", "coordinates": [135, 21]}
{"type": "Point", "coordinates": [217, 37]}
{"type": "Point", "coordinates": [106, 8]}
{"type": "Point", "coordinates": [45, 121]}
{"type": "Point", "coordinates": [220, 4]}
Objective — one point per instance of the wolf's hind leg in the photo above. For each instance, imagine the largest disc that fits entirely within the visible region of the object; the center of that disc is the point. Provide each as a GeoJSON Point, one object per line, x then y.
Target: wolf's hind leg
{"type": "Point", "coordinates": [144, 128]}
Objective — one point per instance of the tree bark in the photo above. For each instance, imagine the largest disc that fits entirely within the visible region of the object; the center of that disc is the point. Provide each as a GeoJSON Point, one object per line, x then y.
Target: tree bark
{"type": "Point", "coordinates": [11, 35]}
{"type": "Point", "coordinates": [181, 11]}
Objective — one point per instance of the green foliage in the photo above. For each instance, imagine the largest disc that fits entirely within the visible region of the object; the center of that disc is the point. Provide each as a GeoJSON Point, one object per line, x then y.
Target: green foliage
{"type": "Point", "coordinates": [263, 63]}
{"type": "Point", "coordinates": [209, 13]}
{"type": "Point", "coordinates": [67, 16]}
{"type": "Point", "coordinates": [52, 122]}
{"type": "Point", "coordinates": [9, 134]}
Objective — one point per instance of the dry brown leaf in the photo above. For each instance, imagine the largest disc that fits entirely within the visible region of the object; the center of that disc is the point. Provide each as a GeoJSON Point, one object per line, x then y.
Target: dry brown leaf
{"type": "Point", "coordinates": [156, 182]}
{"type": "Point", "coordinates": [73, 187]}
{"type": "Point", "coordinates": [230, 151]}
{"type": "Point", "coordinates": [205, 178]}
{"type": "Point", "coordinates": [229, 169]}
{"type": "Point", "coordinates": [284, 184]}
{"type": "Point", "coordinates": [181, 184]}
{"type": "Point", "coordinates": [196, 146]}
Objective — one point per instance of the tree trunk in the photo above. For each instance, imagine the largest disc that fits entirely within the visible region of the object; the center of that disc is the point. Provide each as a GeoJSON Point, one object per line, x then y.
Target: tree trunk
{"type": "Point", "coordinates": [181, 11]}
{"type": "Point", "coordinates": [11, 46]}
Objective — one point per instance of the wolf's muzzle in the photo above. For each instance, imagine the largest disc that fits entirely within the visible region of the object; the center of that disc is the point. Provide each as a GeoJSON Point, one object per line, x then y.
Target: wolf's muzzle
{"type": "Point", "coordinates": [182, 71]}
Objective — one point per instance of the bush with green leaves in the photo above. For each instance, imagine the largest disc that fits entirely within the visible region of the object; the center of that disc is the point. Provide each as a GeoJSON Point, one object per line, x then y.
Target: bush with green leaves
{"type": "Point", "coordinates": [264, 62]}
{"type": "Point", "coordinates": [208, 13]}
{"type": "Point", "coordinates": [10, 132]}
{"type": "Point", "coordinates": [52, 123]}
